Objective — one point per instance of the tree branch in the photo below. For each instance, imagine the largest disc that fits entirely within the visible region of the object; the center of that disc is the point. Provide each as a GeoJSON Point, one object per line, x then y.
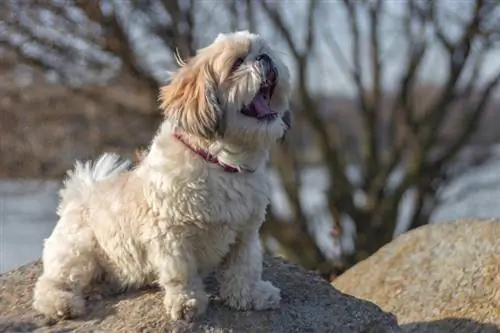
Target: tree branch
{"type": "Point", "coordinates": [116, 40]}
{"type": "Point", "coordinates": [459, 55]}
{"type": "Point", "coordinates": [299, 247]}
{"type": "Point", "coordinates": [402, 103]}
{"type": "Point", "coordinates": [233, 12]}
{"type": "Point", "coordinates": [313, 4]}
{"type": "Point", "coordinates": [278, 21]}
{"type": "Point", "coordinates": [368, 108]}
{"type": "Point", "coordinates": [377, 69]}
{"type": "Point", "coordinates": [470, 124]}
{"type": "Point", "coordinates": [250, 16]}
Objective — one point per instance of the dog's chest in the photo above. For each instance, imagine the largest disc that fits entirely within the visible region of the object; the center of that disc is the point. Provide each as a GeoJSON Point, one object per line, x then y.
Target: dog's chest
{"type": "Point", "coordinates": [212, 245]}
{"type": "Point", "coordinates": [237, 206]}
{"type": "Point", "coordinates": [239, 199]}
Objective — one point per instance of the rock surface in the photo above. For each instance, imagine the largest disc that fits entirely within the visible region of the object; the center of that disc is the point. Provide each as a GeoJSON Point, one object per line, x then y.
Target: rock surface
{"type": "Point", "coordinates": [438, 278]}
{"type": "Point", "coordinates": [309, 304]}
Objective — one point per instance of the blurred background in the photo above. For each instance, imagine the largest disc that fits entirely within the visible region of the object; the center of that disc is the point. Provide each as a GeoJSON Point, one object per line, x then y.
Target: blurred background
{"type": "Point", "coordinates": [397, 118]}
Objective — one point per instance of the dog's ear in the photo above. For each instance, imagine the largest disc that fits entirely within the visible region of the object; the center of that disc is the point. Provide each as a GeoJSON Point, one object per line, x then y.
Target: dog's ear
{"type": "Point", "coordinates": [191, 102]}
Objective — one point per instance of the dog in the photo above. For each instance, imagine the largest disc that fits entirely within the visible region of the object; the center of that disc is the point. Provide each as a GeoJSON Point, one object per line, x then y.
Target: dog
{"type": "Point", "coordinates": [193, 204]}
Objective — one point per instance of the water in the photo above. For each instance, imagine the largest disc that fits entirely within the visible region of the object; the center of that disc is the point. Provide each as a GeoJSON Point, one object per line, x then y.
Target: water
{"type": "Point", "coordinates": [28, 210]}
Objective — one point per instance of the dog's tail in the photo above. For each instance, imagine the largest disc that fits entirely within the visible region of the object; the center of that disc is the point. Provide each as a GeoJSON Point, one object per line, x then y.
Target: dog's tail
{"type": "Point", "coordinates": [85, 175]}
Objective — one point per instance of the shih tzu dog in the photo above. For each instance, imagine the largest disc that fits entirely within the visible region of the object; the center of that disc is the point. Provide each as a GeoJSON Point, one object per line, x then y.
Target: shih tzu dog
{"type": "Point", "coordinates": [195, 202]}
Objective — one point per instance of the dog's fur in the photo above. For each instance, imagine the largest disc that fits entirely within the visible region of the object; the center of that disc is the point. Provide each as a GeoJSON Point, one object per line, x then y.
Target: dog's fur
{"type": "Point", "coordinates": [175, 217]}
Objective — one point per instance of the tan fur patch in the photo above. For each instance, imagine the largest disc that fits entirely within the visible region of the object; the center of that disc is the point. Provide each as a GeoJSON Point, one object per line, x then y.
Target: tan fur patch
{"type": "Point", "coordinates": [191, 97]}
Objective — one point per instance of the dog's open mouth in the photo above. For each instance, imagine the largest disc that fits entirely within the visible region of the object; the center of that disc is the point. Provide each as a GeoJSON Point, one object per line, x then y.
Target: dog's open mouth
{"type": "Point", "coordinates": [260, 107]}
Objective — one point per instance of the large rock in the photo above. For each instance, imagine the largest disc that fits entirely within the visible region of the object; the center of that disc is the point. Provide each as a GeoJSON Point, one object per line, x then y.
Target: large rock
{"type": "Point", "coordinates": [438, 278]}
{"type": "Point", "coordinates": [309, 304]}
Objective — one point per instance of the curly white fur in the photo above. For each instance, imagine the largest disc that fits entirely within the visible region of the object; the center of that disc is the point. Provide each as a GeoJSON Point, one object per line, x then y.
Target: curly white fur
{"type": "Point", "coordinates": [174, 218]}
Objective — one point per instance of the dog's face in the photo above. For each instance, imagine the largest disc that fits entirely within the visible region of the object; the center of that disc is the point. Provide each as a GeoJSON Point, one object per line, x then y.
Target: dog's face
{"type": "Point", "coordinates": [234, 90]}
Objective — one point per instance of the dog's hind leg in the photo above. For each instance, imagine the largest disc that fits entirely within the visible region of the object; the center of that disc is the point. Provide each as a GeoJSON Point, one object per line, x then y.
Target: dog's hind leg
{"type": "Point", "coordinates": [69, 265]}
{"type": "Point", "coordinates": [70, 253]}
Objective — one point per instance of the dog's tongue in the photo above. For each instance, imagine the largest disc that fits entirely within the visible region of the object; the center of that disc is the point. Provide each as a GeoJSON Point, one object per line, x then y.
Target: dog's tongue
{"type": "Point", "coordinates": [261, 106]}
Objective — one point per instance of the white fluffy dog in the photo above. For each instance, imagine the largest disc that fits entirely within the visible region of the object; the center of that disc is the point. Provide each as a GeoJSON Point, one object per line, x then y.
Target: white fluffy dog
{"type": "Point", "coordinates": [192, 206]}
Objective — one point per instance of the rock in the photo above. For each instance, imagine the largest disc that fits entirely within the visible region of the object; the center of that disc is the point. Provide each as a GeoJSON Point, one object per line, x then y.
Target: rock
{"type": "Point", "coordinates": [309, 304]}
{"type": "Point", "coordinates": [438, 278]}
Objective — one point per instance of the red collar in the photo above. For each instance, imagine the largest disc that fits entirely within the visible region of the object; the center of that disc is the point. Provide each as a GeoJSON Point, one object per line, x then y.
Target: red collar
{"type": "Point", "coordinates": [207, 156]}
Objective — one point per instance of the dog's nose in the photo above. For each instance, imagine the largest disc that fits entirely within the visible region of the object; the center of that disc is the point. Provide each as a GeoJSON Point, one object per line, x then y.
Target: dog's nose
{"type": "Point", "coordinates": [264, 57]}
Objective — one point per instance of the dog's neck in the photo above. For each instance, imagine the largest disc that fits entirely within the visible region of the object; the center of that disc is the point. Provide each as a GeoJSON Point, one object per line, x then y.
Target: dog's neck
{"type": "Point", "coordinates": [244, 158]}
{"type": "Point", "coordinates": [240, 157]}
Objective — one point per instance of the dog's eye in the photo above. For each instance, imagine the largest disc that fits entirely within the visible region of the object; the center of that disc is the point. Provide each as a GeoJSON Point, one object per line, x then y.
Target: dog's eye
{"type": "Point", "coordinates": [238, 63]}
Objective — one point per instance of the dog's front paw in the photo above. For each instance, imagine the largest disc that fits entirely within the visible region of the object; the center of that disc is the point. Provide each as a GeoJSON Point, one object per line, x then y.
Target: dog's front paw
{"type": "Point", "coordinates": [56, 302]}
{"type": "Point", "coordinates": [184, 305]}
{"type": "Point", "coordinates": [265, 296]}
{"type": "Point", "coordinates": [262, 296]}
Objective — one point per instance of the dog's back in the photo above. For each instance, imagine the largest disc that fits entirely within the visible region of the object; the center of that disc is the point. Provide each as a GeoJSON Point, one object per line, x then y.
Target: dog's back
{"type": "Point", "coordinates": [84, 176]}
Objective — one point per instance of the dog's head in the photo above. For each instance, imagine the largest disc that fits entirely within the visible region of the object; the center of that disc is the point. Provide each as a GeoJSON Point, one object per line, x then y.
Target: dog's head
{"type": "Point", "coordinates": [234, 90]}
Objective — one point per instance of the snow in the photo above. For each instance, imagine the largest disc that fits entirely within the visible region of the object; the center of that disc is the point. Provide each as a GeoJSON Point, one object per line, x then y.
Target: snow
{"type": "Point", "coordinates": [27, 216]}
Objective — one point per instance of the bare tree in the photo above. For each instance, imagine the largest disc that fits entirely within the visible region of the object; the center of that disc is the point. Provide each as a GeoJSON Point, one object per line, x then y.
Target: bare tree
{"type": "Point", "coordinates": [399, 134]}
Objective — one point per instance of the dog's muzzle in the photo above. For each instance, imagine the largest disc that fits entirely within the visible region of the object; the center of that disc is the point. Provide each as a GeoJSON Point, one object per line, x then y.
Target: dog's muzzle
{"type": "Point", "coordinates": [267, 64]}
{"type": "Point", "coordinates": [287, 119]}
{"type": "Point", "coordinates": [271, 76]}
{"type": "Point", "coordinates": [265, 60]}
